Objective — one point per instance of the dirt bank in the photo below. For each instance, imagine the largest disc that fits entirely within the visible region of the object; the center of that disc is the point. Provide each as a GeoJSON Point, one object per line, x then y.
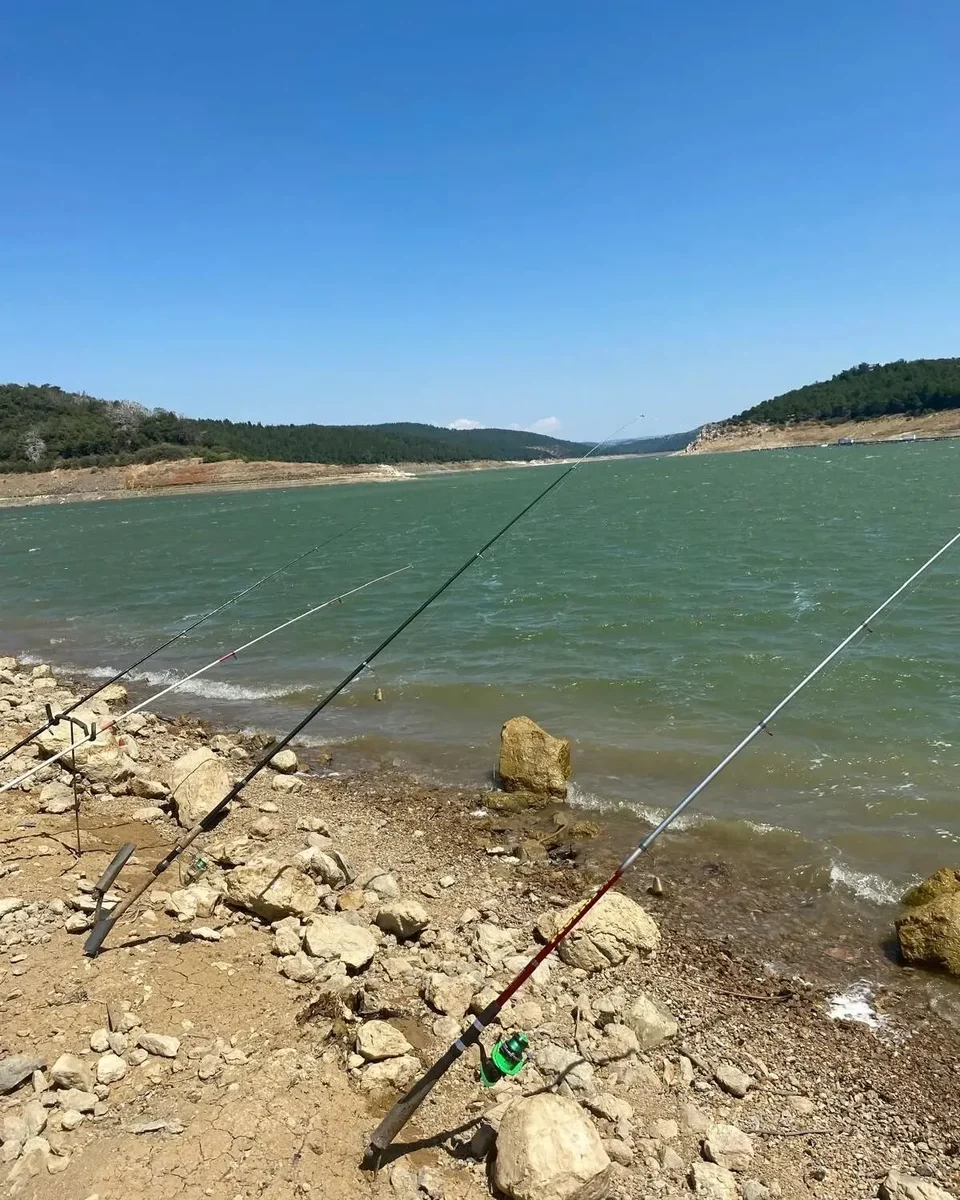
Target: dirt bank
{"type": "Point", "coordinates": [194, 475]}
{"type": "Point", "coordinates": [259, 1090]}
{"type": "Point", "coordinates": [720, 437]}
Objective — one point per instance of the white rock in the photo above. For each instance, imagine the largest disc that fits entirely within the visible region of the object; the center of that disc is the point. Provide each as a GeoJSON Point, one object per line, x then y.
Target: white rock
{"type": "Point", "coordinates": [56, 798]}
{"type": "Point", "coordinates": [613, 929]}
{"type": "Point", "coordinates": [493, 943]}
{"type": "Point", "coordinates": [71, 1118]}
{"type": "Point", "coordinates": [547, 1149]}
{"type": "Point", "coordinates": [110, 1069]}
{"type": "Point", "coordinates": [198, 781]}
{"type": "Point", "coordinates": [403, 918]}
{"type": "Point", "coordinates": [899, 1186]}
{"type": "Point", "coordinates": [11, 904]}
{"type": "Point", "coordinates": [149, 813]}
{"type": "Point", "coordinates": [728, 1146]}
{"type": "Point", "coordinates": [204, 933]}
{"type": "Point", "coordinates": [271, 889]}
{"type": "Point", "coordinates": [284, 761]}
{"type": "Point", "coordinates": [149, 789]}
{"type": "Point", "coordinates": [34, 1117]}
{"type": "Point", "coordinates": [733, 1081]}
{"type": "Point", "coordinates": [71, 1072]}
{"type": "Point", "coordinates": [379, 1040]}
{"type": "Point", "coordinates": [82, 1101]}
{"type": "Point", "coordinates": [299, 967]}
{"type": "Point", "coordinates": [159, 1044]}
{"type": "Point", "coordinates": [287, 936]}
{"type": "Point", "coordinates": [100, 1041]}
{"type": "Point", "coordinates": [332, 937]}
{"type": "Point", "coordinates": [713, 1182]}
{"type": "Point", "coordinates": [319, 865]}
{"type": "Point", "coordinates": [287, 784]}
{"type": "Point", "coordinates": [383, 883]}
{"type": "Point", "coordinates": [563, 1066]}
{"type": "Point", "coordinates": [650, 1021]}
{"type": "Point", "coordinates": [448, 995]}
{"type": "Point", "coordinates": [392, 1072]}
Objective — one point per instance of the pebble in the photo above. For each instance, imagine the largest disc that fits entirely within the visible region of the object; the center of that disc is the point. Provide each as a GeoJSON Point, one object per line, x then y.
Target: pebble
{"type": "Point", "coordinates": [70, 1118]}
{"type": "Point", "coordinates": [100, 1041]}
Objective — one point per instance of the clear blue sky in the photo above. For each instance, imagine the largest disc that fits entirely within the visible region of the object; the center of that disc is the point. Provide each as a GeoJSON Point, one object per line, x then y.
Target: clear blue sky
{"type": "Point", "coordinates": [509, 211]}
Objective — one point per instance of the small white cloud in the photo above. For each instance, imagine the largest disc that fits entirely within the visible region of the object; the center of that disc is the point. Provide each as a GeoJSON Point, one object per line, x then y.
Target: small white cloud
{"type": "Point", "coordinates": [464, 423]}
{"type": "Point", "coordinates": [547, 425]}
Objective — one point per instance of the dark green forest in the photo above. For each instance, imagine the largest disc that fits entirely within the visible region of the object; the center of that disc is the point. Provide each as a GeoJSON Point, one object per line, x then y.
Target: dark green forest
{"type": "Point", "coordinates": [42, 426]}
{"type": "Point", "coordinates": [922, 385]}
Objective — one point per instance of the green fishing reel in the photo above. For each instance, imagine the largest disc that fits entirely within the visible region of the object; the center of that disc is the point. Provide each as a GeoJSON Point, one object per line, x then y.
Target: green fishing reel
{"type": "Point", "coordinates": [507, 1058]}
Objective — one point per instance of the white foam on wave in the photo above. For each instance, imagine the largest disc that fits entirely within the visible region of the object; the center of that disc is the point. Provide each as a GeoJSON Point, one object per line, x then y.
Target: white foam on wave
{"type": "Point", "coordinates": [854, 1004]}
{"type": "Point", "coordinates": [866, 886]}
{"type": "Point", "coordinates": [578, 798]}
{"type": "Point", "coordinates": [209, 689]}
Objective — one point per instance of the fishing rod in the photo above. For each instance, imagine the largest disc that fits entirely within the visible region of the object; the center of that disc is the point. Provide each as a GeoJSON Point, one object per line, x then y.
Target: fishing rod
{"type": "Point", "coordinates": [103, 926]}
{"type": "Point", "coordinates": [408, 1104]}
{"type": "Point", "coordinates": [25, 741]}
{"type": "Point", "coordinates": [113, 721]}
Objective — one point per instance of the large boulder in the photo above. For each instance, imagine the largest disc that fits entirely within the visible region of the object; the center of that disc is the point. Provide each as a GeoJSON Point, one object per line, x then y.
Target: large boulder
{"type": "Point", "coordinates": [198, 781]}
{"type": "Point", "coordinates": [548, 1149]}
{"type": "Point", "coordinates": [612, 930]}
{"type": "Point", "coordinates": [329, 938]}
{"type": "Point", "coordinates": [271, 889]}
{"type": "Point", "coordinates": [531, 760]}
{"type": "Point", "coordinates": [898, 1186]}
{"type": "Point", "coordinates": [940, 883]}
{"type": "Point", "coordinates": [930, 935]}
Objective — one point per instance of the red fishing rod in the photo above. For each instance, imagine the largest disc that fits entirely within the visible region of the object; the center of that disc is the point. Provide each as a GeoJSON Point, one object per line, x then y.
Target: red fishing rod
{"type": "Point", "coordinates": [85, 699]}
{"type": "Point", "coordinates": [408, 1104]}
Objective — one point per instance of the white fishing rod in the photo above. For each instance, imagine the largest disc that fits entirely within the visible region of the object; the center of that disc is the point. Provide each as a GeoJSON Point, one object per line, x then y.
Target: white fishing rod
{"type": "Point", "coordinates": [112, 722]}
{"type": "Point", "coordinates": [408, 1104]}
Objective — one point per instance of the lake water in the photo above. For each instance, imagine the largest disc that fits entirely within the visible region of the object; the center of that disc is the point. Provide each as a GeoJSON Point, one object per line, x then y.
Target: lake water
{"type": "Point", "coordinates": [652, 610]}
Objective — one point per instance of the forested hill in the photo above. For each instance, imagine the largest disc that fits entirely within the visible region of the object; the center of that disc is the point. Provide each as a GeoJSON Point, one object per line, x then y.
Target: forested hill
{"type": "Point", "coordinates": [43, 427]}
{"type": "Point", "coordinates": [922, 385]}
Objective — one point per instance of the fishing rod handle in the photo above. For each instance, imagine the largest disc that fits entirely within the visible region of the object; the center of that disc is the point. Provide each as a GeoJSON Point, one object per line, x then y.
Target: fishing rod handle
{"type": "Point", "coordinates": [407, 1105]}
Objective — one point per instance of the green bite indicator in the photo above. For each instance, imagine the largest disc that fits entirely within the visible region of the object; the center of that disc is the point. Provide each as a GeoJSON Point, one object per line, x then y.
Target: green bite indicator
{"type": "Point", "coordinates": [507, 1058]}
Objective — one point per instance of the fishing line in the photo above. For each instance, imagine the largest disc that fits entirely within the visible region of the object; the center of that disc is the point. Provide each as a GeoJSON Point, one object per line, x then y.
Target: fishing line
{"type": "Point", "coordinates": [102, 927]}
{"type": "Point", "coordinates": [25, 741]}
{"type": "Point", "coordinates": [113, 721]}
{"type": "Point", "coordinates": [408, 1104]}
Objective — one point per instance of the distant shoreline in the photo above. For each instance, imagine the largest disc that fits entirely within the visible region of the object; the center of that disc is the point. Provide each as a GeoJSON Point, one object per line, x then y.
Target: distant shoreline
{"type": "Point", "coordinates": [722, 438]}
{"type": "Point", "coordinates": [68, 486]}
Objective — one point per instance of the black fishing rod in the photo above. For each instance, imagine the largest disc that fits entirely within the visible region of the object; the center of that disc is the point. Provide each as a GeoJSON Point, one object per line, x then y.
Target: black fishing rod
{"type": "Point", "coordinates": [408, 1104]}
{"type": "Point", "coordinates": [25, 741]}
{"type": "Point", "coordinates": [102, 928]}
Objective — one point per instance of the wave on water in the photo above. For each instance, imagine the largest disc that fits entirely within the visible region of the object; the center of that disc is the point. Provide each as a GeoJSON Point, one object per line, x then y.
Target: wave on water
{"type": "Point", "coordinates": [578, 798]}
{"type": "Point", "coordinates": [864, 885]}
{"type": "Point", "coordinates": [209, 689]}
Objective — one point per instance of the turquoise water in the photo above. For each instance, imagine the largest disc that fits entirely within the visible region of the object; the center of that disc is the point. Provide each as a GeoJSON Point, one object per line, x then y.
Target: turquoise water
{"type": "Point", "coordinates": [651, 609]}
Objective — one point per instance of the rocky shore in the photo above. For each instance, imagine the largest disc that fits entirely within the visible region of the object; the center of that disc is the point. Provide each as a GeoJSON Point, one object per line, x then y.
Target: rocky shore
{"type": "Point", "coordinates": [246, 1028]}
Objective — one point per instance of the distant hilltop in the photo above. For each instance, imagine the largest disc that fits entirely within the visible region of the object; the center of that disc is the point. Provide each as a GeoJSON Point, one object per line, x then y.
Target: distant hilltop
{"type": "Point", "coordinates": [923, 385]}
{"type": "Point", "coordinates": [870, 402]}
{"type": "Point", "coordinates": [43, 428]}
